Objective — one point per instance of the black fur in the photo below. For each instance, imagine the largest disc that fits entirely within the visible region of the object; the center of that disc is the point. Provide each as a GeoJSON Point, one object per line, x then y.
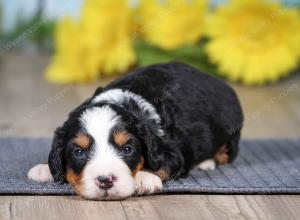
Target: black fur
{"type": "Point", "coordinates": [199, 114]}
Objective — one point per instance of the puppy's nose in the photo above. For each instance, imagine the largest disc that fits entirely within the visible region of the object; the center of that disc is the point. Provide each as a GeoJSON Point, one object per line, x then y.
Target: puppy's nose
{"type": "Point", "coordinates": [105, 182]}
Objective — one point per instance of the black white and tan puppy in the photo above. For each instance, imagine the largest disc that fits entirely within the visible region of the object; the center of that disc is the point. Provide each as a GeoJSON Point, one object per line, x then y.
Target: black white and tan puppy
{"type": "Point", "coordinates": [152, 125]}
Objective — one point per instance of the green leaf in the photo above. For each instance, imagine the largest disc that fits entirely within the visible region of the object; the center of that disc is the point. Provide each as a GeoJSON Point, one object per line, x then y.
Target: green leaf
{"type": "Point", "coordinates": [192, 55]}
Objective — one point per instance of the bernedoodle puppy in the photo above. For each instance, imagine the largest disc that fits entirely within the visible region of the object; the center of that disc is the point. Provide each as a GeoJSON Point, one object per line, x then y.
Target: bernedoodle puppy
{"type": "Point", "coordinates": [154, 124]}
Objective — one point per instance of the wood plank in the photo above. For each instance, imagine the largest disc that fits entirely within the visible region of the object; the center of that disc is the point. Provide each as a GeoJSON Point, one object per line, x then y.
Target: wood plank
{"type": "Point", "coordinates": [153, 207]}
{"type": "Point", "coordinates": [54, 207]}
{"type": "Point", "coordinates": [214, 207]}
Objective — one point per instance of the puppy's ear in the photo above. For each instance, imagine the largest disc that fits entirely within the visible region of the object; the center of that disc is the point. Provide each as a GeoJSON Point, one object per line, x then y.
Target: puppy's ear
{"type": "Point", "coordinates": [154, 149]}
{"type": "Point", "coordinates": [56, 160]}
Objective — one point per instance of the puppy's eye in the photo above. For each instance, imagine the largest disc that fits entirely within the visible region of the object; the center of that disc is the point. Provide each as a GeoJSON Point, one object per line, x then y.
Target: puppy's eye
{"type": "Point", "coordinates": [127, 150]}
{"type": "Point", "coordinates": [79, 153]}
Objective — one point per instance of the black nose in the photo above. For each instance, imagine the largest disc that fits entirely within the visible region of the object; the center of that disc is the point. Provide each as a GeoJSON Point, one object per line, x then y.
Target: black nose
{"type": "Point", "coordinates": [105, 182]}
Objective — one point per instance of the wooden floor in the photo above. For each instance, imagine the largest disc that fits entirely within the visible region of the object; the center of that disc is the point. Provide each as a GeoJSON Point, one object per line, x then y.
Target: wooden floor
{"type": "Point", "coordinates": [31, 107]}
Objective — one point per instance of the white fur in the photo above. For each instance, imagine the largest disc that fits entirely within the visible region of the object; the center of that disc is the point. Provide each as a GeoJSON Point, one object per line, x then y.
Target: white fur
{"type": "Point", "coordinates": [40, 173]}
{"type": "Point", "coordinates": [123, 186]}
{"type": "Point", "coordinates": [105, 160]}
{"type": "Point", "coordinates": [118, 96]}
{"type": "Point", "coordinates": [147, 183]}
{"type": "Point", "coordinates": [209, 164]}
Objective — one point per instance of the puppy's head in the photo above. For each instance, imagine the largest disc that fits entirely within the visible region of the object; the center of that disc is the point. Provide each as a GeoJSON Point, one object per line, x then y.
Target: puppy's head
{"type": "Point", "coordinates": [100, 148]}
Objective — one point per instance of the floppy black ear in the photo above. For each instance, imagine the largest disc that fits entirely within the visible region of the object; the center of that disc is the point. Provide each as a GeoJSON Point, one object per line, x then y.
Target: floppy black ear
{"type": "Point", "coordinates": [56, 160]}
{"type": "Point", "coordinates": [154, 145]}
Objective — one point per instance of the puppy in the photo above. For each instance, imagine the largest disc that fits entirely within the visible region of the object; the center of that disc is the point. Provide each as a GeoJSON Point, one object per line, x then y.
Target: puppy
{"type": "Point", "coordinates": [152, 125]}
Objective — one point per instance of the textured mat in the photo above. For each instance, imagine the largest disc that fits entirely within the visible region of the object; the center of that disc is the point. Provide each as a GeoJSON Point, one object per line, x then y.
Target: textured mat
{"type": "Point", "coordinates": [262, 167]}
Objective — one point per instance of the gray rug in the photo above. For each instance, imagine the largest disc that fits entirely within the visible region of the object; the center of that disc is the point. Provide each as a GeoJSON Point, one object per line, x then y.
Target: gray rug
{"type": "Point", "coordinates": [262, 167]}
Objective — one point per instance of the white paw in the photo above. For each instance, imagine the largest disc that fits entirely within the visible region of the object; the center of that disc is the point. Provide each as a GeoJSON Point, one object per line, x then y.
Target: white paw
{"type": "Point", "coordinates": [147, 183]}
{"type": "Point", "coordinates": [40, 173]}
{"type": "Point", "coordinates": [209, 164]}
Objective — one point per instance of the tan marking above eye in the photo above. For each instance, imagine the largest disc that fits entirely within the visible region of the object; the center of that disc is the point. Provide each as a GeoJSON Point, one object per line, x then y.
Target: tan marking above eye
{"type": "Point", "coordinates": [121, 138]}
{"type": "Point", "coordinates": [82, 140]}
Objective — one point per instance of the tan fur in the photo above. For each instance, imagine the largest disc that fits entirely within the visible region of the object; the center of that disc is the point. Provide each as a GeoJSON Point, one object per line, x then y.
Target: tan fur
{"type": "Point", "coordinates": [82, 140]}
{"type": "Point", "coordinates": [139, 167]}
{"type": "Point", "coordinates": [74, 180]}
{"type": "Point", "coordinates": [221, 157]}
{"type": "Point", "coordinates": [163, 174]}
{"type": "Point", "coordinates": [121, 138]}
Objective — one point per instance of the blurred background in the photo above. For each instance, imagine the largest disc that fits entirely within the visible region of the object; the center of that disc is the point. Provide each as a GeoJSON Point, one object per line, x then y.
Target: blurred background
{"type": "Point", "coordinates": [54, 54]}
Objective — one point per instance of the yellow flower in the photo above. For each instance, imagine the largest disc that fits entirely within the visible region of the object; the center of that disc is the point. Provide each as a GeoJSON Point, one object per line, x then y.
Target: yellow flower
{"type": "Point", "coordinates": [107, 29]}
{"type": "Point", "coordinates": [67, 60]}
{"type": "Point", "coordinates": [254, 40]}
{"type": "Point", "coordinates": [100, 44]}
{"type": "Point", "coordinates": [172, 23]}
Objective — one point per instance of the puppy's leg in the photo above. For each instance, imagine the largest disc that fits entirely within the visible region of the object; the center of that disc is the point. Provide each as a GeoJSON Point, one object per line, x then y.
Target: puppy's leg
{"type": "Point", "coordinates": [147, 182]}
{"type": "Point", "coordinates": [209, 164]}
{"type": "Point", "coordinates": [40, 173]}
{"type": "Point", "coordinates": [232, 147]}
{"type": "Point", "coordinates": [222, 156]}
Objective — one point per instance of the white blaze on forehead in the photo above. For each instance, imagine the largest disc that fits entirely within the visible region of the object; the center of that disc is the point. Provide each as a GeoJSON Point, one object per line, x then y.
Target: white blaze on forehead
{"type": "Point", "coordinates": [105, 160]}
{"type": "Point", "coordinates": [98, 122]}
{"type": "Point", "coordinates": [119, 96]}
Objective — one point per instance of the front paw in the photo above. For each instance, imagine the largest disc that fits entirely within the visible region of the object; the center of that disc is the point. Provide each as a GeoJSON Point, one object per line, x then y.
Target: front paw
{"type": "Point", "coordinates": [147, 183]}
{"type": "Point", "coordinates": [40, 173]}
